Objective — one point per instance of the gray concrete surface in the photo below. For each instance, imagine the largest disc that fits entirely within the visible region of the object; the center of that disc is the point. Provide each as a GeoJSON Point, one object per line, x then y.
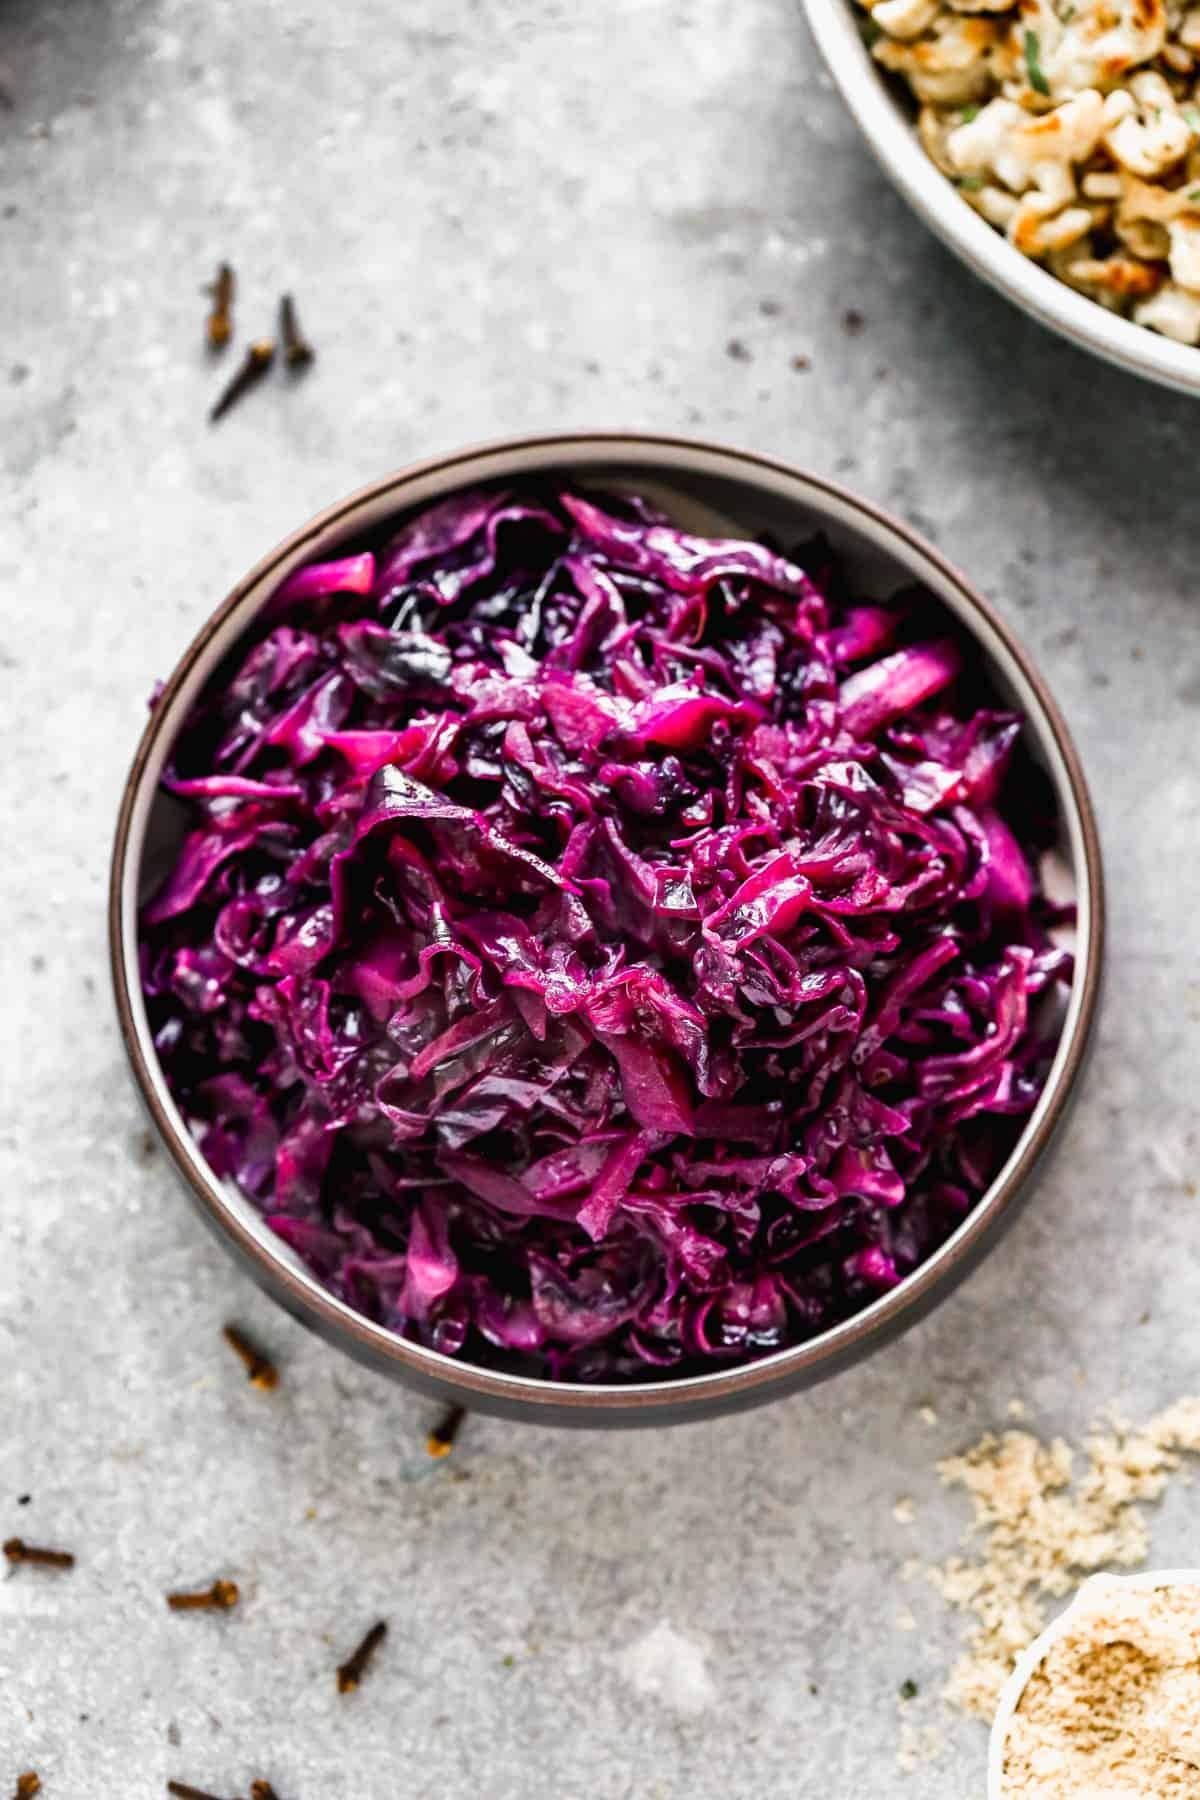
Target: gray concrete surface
{"type": "Point", "coordinates": [501, 214]}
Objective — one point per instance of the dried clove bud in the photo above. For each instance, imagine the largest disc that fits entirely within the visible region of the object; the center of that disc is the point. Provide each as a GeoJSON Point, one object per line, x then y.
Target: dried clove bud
{"type": "Point", "coordinates": [18, 1551]}
{"type": "Point", "coordinates": [351, 1672]}
{"type": "Point", "coordinates": [297, 351]}
{"type": "Point", "coordinates": [183, 1790]}
{"type": "Point", "coordinates": [440, 1441]}
{"type": "Point", "coordinates": [262, 1790]}
{"type": "Point", "coordinates": [219, 1598]}
{"type": "Point", "coordinates": [28, 1784]}
{"type": "Point", "coordinates": [255, 364]}
{"type": "Point", "coordinates": [260, 1370]}
{"type": "Point", "coordinates": [219, 325]}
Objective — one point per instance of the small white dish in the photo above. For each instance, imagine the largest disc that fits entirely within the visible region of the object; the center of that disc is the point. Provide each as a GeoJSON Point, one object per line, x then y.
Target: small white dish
{"type": "Point", "coordinates": [888, 129]}
{"type": "Point", "coordinates": [1030, 1660]}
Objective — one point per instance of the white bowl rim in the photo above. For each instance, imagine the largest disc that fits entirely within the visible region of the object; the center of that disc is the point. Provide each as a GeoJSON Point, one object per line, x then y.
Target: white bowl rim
{"type": "Point", "coordinates": [1029, 1660]}
{"type": "Point", "coordinates": [897, 148]}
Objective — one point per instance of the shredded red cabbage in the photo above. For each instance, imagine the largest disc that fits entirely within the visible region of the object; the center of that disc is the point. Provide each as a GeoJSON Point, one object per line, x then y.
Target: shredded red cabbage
{"type": "Point", "coordinates": [602, 950]}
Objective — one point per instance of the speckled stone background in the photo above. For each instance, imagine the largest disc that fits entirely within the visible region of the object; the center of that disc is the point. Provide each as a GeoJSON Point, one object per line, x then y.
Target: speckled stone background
{"type": "Point", "coordinates": [503, 214]}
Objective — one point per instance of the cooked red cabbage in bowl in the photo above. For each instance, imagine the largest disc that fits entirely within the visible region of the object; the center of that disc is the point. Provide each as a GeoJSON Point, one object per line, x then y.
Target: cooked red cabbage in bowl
{"type": "Point", "coordinates": [599, 950]}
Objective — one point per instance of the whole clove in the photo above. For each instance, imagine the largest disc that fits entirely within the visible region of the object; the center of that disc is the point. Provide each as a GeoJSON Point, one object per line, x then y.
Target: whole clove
{"type": "Point", "coordinates": [262, 1790]}
{"type": "Point", "coordinates": [183, 1790]}
{"type": "Point", "coordinates": [28, 1784]}
{"type": "Point", "coordinates": [297, 351]}
{"type": "Point", "coordinates": [219, 325]}
{"type": "Point", "coordinates": [18, 1551]}
{"type": "Point", "coordinates": [255, 364]}
{"type": "Point", "coordinates": [260, 1370]}
{"type": "Point", "coordinates": [220, 1597]}
{"type": "Point", "coordinates": [351, 1672]}
{"type": "Point", "coordinates": [440, 1441]}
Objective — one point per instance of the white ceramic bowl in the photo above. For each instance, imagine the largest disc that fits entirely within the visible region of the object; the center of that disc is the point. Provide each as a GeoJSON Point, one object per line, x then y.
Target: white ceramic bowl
{"type": "Point", "coordinates": [1030, 1660]}
{"type": "Point", "coordinates": [888, 129]}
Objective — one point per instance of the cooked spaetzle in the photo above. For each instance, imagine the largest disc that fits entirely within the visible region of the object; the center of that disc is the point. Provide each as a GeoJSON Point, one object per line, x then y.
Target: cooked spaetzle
{"type": "Point", "coordinates": [1073, 126]}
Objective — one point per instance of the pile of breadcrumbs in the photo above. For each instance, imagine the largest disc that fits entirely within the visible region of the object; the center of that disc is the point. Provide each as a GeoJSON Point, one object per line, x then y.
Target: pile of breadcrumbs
{"type": "Point", "coordinates": [1039, 1527]}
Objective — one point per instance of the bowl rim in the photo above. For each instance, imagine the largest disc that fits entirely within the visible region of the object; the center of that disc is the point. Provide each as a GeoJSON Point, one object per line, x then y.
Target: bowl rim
{"type": "Point", "coordinates": [651, 1401]}
{"type": "Point", "coordinates": [892, 139]}
{"type": "Point", "coordinates": [1031, 1658]}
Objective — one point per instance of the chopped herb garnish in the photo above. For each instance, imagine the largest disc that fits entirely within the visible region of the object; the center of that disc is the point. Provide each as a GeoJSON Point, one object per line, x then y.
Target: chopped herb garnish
{"type": "Point", "coordinates": [1066, 14]}
{"type": "Point", "coordinates": [968, 113]}
{"type": "Point", "coordinates": [909, 1689]}
{"type": "Point", "coordinates": [351, 1672]}
{"type": "Point", "coordinates": [869, 31]}
{"type": "Point", "coordinates": [508, 1662]}
{"type": "Point", "coordinates": [1192, 115]}
{"type": "Point", "coordinates": [1033, 51]}
{"type": "Point", "coordinates": [972, 183]}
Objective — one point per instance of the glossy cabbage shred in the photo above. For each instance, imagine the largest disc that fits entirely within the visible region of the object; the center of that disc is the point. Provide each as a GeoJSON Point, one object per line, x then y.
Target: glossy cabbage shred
{"type": "Point", "coordinates": [600, 950]}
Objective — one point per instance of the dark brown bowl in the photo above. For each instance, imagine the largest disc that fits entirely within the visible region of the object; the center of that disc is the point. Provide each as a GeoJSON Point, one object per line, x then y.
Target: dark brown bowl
{"type": "Point", "coordinates": [709, 488]}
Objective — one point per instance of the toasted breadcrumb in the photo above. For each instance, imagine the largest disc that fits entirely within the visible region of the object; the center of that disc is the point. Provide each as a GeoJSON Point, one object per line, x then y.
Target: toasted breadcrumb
{"type": "Point", "coordinates": [1040, 1524]}
{"type": "Point", "coordinates": [1114, 1709]}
